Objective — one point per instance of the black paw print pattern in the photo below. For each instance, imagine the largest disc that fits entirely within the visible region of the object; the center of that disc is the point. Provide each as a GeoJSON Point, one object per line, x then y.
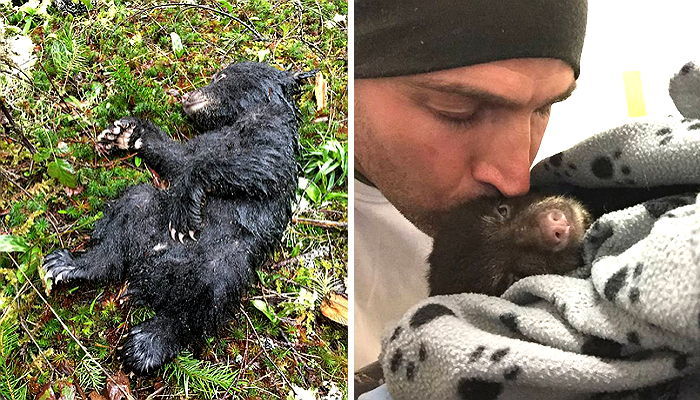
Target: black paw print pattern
{"type": "Point", "coordinates": [605, 167]}
{"type": "Point", "coordinates": [610, 167]}
{"type": "Point", "coordinates": [474, 388]}
{"type": "Point", "coordinates": [618, 280]}
{"type": "Point", "coordinates": [692, 124]}
{"type": "Point", "coordinates": [467, 387]}
{"type": "Point", "coordinates": [559, 168]}
{"type": "Point", "coordinates": [626, 276]}
{"type": "Point", "coordinates": [398, 362]}
{"type": "Point", "coordinates": [665, 135]}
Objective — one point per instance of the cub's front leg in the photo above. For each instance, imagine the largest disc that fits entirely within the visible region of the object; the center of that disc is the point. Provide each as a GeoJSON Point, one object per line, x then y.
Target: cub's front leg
{"type": "Point", "coordinates": [166, 156]}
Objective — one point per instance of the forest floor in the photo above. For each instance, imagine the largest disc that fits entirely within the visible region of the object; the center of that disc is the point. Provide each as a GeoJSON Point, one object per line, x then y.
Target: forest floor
{"type": "Point", "coordinates": [79, 73]}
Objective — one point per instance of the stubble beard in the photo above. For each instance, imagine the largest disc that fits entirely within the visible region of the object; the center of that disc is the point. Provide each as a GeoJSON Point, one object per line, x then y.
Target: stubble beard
{"type": "Point", "coordinates": [390, 178]}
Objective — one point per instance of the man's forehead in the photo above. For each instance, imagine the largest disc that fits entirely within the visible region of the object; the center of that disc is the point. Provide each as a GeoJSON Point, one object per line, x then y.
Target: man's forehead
{"type": "Point", "coordinates": [500, 84]}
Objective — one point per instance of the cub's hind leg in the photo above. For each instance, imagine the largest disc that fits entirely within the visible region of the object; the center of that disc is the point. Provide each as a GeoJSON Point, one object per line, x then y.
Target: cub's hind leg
{"type": "Point", "coordinates": [117, 237]}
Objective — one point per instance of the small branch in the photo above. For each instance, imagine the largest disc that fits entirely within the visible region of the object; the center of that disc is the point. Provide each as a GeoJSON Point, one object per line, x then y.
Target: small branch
{"type": "Point", "coordinates": [321, 223]}
{"type": "Point", "coordinates": [262, 347]}
{"type": "Point", "coordinates": [214, 10]}
{"type": "Point", "coordinates": [7, 176]}
{"type": "Point", "coordinates": [55, 89]}
{"type": "Point", "coordinates": [8, 116]}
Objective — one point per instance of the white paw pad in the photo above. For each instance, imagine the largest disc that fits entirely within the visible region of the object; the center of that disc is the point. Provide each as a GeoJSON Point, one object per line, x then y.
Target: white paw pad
{"type": "Point", "coordinates": [117, 136]}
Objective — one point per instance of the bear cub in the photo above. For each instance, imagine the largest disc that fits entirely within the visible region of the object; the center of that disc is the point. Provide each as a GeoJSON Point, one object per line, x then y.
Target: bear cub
{"type": "Point", "coordinates": [189, 252]}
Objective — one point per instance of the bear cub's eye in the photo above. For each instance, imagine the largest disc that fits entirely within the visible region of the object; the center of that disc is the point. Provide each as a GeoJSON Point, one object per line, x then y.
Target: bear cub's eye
{"type": "Point", "coordinates": [503, 210]}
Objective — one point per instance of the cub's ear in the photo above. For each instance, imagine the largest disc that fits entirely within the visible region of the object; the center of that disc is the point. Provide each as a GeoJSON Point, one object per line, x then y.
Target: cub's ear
{"type": "Point", "coordinates": [301, 75]}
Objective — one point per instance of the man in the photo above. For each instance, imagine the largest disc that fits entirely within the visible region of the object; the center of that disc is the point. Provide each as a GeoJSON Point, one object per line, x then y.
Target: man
{"type": "Point", "coordinates": [451, 102]}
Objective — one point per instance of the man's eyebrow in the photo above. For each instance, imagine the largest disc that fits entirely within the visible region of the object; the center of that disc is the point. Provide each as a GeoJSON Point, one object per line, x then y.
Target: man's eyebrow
{"type": "Point", "coordinates": [480, 94]}
{"type": "Point", "coordinates": [564, 95]}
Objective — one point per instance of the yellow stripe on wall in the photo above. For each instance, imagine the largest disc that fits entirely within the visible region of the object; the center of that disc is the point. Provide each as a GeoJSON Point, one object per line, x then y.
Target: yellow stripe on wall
{"type": "Point", "coordinates": [633, 92]}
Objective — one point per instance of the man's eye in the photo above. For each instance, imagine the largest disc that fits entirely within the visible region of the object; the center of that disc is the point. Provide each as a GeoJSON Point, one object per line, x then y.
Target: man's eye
{"type": "Point", "coordinates": [457, 119]}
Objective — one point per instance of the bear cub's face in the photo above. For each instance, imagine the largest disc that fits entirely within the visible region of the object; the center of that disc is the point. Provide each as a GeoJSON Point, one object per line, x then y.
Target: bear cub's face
{"type": "Point", "coordinates": [236, 89]}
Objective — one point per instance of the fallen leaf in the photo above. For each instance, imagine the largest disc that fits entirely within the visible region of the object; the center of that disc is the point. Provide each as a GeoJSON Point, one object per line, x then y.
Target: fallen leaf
{"type": "Point", "coordinates": [118, 387]}
{"type": "Point", "coordinates": [262, 54]}
{"type": "Point", "coordinates": [178, 48]}
{"type": "Point", "coordinates": [47, 394]}
{"type": "Point", "coordinates": [96, 396]}
{"type": "Point", "coordinates": [343, 131]}
{"type": "Point", "coordinates": [304, 394]}
{"type": "Point", "coordinates": [72, 192]}
{"type": "Point", "coordinates": [67, 392]}
{"type": "Point", "coordinates": [335, 307]}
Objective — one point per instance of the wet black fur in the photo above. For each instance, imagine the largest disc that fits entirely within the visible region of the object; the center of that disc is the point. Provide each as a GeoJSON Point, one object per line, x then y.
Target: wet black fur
{"type": "Point", "coordinates": [234, 184]}
{"type": "Point", "coordinates": [477, 250]}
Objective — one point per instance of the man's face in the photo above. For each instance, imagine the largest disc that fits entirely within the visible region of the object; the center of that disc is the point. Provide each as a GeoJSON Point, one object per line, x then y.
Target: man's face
{"type": "Point", "coordinates": [431, 141]}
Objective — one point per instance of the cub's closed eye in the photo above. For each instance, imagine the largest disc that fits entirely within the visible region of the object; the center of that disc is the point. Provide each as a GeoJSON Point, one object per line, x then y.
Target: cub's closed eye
{"type": "Point", "coordinates": [218, 77]}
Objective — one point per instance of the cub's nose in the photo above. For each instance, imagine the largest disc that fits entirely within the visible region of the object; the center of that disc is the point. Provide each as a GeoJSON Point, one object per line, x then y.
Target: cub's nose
{"type": "Point", "coordinates": [193, 101]}
{"type": "Point", "coordinates": [555, 229]}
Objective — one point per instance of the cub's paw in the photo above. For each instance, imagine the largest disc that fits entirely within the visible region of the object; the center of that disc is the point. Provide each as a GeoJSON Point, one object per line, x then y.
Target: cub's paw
{"type": "Point", "coordinates": [145, 349]}
{"type": "Point", "coordinates": [123, 134]}
{"type": "Point", "coordinates": [186, 214]}
{"type": "Point", "coordinates": [60, 266]}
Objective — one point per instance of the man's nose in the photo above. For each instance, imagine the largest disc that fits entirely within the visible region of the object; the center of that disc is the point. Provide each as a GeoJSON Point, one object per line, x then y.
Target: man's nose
{"type": "Point", "coordinates": [505, 164]}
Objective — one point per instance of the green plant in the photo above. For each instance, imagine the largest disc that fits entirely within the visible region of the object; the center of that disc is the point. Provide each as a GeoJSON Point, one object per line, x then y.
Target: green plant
{"type": "Point", "coordinates": [326, 168]}
{"type": "Point", "coordinates": [68, 52]}
{"type": "Point", "coordinates": [90, 374]}
{"type": "Point", "coordinates": [12, 386]}
{"type": "Point", "coordinates": [200, 378]}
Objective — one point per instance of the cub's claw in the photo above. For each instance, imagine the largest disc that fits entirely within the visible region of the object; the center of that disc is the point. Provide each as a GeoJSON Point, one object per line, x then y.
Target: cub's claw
{"type": "Point", "coordinates": [60, 266]}
{"type": "Point", "coordinates": [185, 218]}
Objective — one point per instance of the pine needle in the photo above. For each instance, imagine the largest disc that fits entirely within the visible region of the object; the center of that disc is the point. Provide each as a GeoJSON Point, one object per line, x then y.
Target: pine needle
{"type": "Point", "coordinates": [11, 386]}
{"type": "Point", "coordinates": [203, 378]}
{"type": "Point", "coordinates": [90, 375]}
